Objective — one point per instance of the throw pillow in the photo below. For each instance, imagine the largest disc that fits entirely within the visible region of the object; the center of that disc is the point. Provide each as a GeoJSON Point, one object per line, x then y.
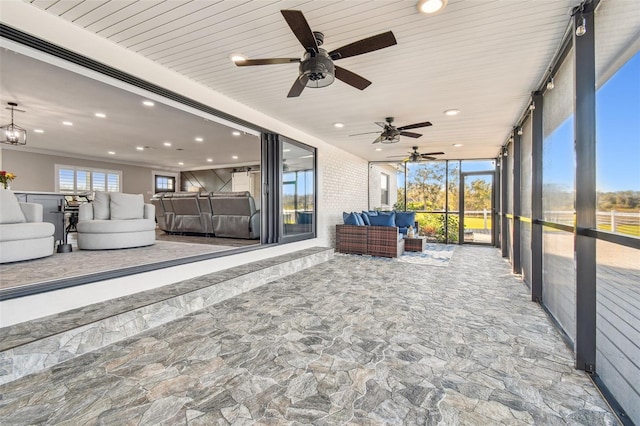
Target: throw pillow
{"type": "Point", "coordinates": [350, 219]}
{"type": "Point", "coordinates": [359, 219]}
{"type": "Point", "coordinates": [405, 219]}
{"type": "Point", "coordinates": [365, 218]}
{"type": "Point", "coordinates": [383, 220]}
{"type": "Point", "coordinates": [101, 206]}
{"type": "Point", "coordinates": [10, 211]}
{"type": "Point", "coordinates": [126, 206]}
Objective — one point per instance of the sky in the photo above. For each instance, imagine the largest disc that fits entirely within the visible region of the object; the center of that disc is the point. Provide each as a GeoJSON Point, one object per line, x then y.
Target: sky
{"type": "Point", "coordinates": [618, 129]}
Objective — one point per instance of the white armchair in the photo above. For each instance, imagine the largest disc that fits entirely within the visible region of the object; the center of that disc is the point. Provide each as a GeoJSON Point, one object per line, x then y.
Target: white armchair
{"type": "Point", "coordinates": [114, 221]}
{"type": "Point", "coordinates": [23, 234]}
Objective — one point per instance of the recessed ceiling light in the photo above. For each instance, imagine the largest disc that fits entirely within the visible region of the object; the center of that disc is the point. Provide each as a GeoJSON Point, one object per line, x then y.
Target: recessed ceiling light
{"type": "Point", "coordinates": [237, 57]}
{"type": "Point", "coordinates": [235, 133]}
{"type": "Point", "coordinates": [235, 157]}
{"type": "Point", "coordinates": [148, 103]}
{"type": "Point", "coordinates": [180, 163]}
{"type": "Point", "coordinates": [100, 115]}
{"type": "Point", "coordinates": [452, 112]}
{"type": "Point", "coordinates": [38, 130]}
{"type": "Point", "coordinates": [67, 123]}
{"type": "Point", "coordinates": [199, 139]}
{"type": "Point", "coordinates": [167, 144]}
{"type": "Point", "coordinates": [209, 160]}
{"type": "Point", "coordinates": [431, 6]}
{"type": "Point", "coordinates": [112, 153]}
{"type": "Point", "coordinates": [378, 149]}
{"type": "Point", "coordinates": [286, 150]}
{"type": "Point", "coordinates": [338, 125]}
{"type": "Point", "coordinates": [140, 148]}
{"type": "Point", "coordinates": [457, 145]}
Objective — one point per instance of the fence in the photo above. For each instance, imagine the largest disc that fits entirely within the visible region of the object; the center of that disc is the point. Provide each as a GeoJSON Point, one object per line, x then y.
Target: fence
{"type": "Point", "coordinates": [613, 221]}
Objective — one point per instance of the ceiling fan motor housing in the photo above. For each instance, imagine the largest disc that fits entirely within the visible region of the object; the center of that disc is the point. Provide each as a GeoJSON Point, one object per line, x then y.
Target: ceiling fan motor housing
{"type": "Point", "coordinates": [319, 69]}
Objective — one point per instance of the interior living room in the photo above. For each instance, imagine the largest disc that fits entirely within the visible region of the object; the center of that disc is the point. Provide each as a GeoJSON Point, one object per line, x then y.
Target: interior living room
{"type": "Point", "coordinates": [398, 212]}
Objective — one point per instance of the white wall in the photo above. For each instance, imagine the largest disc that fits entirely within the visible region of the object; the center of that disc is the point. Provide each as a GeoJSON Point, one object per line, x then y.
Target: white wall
{"type": "Point", "coordinates": [36, 172]}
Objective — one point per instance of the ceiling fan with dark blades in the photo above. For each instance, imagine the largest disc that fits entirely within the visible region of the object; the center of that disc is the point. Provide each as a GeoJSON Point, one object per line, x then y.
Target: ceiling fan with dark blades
{"type": "Point", "coordinates": [316, 66]}
{"type": "Point", "coordinates": [415, 156]}
{"type": "Point", "coordinates": [391, 133]}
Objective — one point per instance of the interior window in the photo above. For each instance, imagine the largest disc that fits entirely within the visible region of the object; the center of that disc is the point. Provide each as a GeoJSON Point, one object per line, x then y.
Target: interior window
{"type": "Point", "coordinates": [70, 179]}
{"type": "Point", "coordinates": [165, 184]}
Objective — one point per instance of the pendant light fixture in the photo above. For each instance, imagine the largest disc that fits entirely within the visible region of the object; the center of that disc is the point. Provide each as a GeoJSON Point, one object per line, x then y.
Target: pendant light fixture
{"type": "Point", "coordinates": [13, 134]}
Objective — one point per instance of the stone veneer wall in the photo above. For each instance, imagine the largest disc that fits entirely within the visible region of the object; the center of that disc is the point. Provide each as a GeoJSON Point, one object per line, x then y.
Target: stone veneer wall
{"type": "Point", "coordinates": [343, 186]}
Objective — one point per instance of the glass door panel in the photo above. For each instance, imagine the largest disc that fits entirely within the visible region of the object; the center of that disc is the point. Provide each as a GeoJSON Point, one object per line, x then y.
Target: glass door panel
{"type": "Point", "coordinates": [476, 208]}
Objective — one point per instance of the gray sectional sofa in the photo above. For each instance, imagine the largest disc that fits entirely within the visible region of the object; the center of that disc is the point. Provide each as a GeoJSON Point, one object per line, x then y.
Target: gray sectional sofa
{"type": "Point", "coordinates": [221, 214]}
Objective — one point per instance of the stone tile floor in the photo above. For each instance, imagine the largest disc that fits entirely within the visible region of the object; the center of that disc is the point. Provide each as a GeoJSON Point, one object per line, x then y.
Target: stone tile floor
{"type": "Point", "coordinates": [355, 340]}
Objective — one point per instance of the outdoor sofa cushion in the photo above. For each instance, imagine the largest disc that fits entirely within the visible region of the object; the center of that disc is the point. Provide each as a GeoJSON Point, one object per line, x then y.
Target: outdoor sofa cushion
{"type": "Point", "coordinates": [352, 219]}
{"type": "Point", "coordinates": [383, 220]}
{"type": "Point", "coordinates": [404, 220]}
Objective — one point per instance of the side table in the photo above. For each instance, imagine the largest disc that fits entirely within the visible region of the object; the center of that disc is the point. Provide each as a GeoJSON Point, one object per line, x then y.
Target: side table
{"type": "Point", "coordinates": [414, 243]}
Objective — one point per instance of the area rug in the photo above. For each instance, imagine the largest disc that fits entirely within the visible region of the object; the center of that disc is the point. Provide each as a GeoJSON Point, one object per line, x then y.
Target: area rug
{"type": "Point", "coordinates": [433, 255]}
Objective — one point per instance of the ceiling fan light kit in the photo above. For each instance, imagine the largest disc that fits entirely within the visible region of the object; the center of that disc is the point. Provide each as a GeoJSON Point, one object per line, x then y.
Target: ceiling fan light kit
{"type": "Point", "coordinates": [415, 156]}
{"type": "Point", "coordinates": [12, 134]}
{"type": "Point", "coordinates": [316, 66]}
{"type": "Point", "coordinates": [391, 134]}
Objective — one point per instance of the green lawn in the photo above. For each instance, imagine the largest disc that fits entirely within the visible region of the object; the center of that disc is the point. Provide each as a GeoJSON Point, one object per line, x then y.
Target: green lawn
{"type": "Point", "coordinates": [476, 223]}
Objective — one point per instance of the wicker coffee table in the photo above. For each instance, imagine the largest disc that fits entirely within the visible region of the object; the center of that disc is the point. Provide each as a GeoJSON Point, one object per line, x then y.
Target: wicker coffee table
{"type": "Point", "coordinates": [414, 243]}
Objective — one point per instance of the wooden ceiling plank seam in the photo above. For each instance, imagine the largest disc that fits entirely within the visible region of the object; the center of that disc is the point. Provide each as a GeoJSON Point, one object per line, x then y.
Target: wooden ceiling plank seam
{"type": "Point", "coordinates": [63, 6]}
{"type": "Point", "coordinates": [157, 20]}
{"type": "Point", "coordinates": [177, 28]}
{"type": "Point", "coordinates": [101, 24]}
{"type": "Point", "coordinates": [185, 13]}
{"type": "Point", "coordinates": [83, 9]}
{"type": "Point", "coordinates": [198, 34]}
{"type": "Point", "coordinates": [139, 17]}
{"type": "Point", "coordinates": [206, 41]}
{"type": "Point", "coordinates": [44, 4]}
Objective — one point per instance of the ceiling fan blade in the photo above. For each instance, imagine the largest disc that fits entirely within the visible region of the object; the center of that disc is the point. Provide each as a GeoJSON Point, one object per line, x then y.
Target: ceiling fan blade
{"type": "Point", "coordinates": [300, 28]}
{"type": "Point", "coordinates": [378, 139]}
{"type": "Point", "coordinates": [427, 154]}
{"type": "Point", "coordinates": [352, 79]}
{"type": "Point", "coordinates": [410, 134]}
{"type": "Point", "coordinates": [397, 156]}
{"type": "Point", "coordinates": [381, 124]}
{"type": "Point", "coordinates": [298, 86]}
{"type": "Point", "coordinates": [415, 126]}
{"type": "Point", "coordinates": [367, 133]}
{"type": "Point", "coordinates": [269, 61]}
{"type": "Point", "coordinates": [366, 45]}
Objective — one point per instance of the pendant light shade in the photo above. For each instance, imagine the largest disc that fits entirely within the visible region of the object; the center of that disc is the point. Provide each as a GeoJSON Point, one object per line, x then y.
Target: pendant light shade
{"type": "Point", "coordinates": [13, 134]}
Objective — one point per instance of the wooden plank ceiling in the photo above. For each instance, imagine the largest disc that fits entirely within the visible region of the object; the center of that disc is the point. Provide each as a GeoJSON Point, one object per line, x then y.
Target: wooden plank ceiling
{"type": "Point", "coordinates": [481, 57]}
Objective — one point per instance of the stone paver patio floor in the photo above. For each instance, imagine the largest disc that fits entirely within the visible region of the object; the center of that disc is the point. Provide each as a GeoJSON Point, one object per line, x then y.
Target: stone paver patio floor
{"type": "Point", "coordinates": [355, 340]}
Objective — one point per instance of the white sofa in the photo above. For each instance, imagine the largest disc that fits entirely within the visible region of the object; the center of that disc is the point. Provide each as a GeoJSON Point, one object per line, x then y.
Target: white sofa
{"type": "Point", "coordinates": [23, 234]}
{"type": "Point", "coordinates": [114, 221]}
